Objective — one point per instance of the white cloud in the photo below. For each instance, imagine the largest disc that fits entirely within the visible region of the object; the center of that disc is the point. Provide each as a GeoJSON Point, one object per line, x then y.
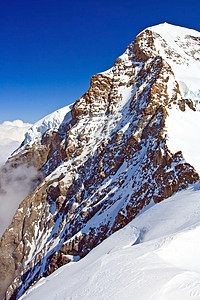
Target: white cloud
{"type": "Point", "coordinates": [11, 136]}
{"type": "Point", "coordinates": [15, 183]}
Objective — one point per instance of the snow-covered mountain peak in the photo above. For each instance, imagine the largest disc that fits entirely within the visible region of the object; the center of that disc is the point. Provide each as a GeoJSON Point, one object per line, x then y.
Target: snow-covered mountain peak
{"type": "Point", "coordinates": [179, 47]}
{"type": "Point", "coordinates": [173, 30]}
{"type": "Point", "coordinates": [108, 159]}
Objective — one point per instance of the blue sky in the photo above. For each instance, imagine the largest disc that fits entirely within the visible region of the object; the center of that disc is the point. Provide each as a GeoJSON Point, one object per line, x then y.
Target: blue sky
{"type": "Point", "coordinates": [49, 49]}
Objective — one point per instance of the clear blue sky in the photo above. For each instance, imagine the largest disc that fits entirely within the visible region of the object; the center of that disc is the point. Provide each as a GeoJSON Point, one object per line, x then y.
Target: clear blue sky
{"type": "Point", "coordinates": [49, 49]}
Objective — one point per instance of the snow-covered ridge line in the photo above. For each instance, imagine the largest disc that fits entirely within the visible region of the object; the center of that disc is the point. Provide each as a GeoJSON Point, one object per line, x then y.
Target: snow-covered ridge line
{"type": "Point", "coordinates": [51, 121]}
{"type": "Point", "coordinates": [173, 29]}
{"type": "Point", "coordinates": [176, 39]}
{"type": "Point", "coordinates": [179, 47]}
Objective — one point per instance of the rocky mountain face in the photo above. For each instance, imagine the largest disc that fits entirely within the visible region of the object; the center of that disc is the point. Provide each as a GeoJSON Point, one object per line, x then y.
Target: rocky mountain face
{"type": "Point", "coordinates": [103, 159]}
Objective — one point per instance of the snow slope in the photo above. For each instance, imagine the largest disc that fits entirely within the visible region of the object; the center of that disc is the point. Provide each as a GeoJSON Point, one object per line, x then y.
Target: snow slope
{"type": "Point", "coordinates": [51, 121]}
{"type": "Point", "coordinates": [11, 136]}
{"type": "Point", "coordinates": [183, 133]}
{"type": "Point", "coordinates": [179, 46]}
{"type": "Point", "coordinates": [156, 256]}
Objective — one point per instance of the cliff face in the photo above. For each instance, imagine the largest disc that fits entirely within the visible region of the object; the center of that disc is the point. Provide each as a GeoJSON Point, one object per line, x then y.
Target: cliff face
{"type": "Point", "coordinates": [105, 160]}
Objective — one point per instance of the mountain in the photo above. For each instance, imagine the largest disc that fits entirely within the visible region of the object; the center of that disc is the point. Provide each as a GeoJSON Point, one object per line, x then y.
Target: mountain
{"type": "Point", "coordinates": [155, 256]}
{"type": "Point", "coordinates": [115, 152]}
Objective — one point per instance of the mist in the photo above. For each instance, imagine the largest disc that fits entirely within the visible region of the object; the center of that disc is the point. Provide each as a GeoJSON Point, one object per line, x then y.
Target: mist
{"type": "Point", "coordinates": [15, 185]}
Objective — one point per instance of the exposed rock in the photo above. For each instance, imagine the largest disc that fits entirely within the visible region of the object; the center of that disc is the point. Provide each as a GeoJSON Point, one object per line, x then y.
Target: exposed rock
{"type": "Point", "coordinates": [100, 169]}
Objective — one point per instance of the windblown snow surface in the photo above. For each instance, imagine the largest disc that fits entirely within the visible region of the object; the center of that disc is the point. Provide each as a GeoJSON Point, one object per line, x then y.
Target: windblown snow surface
{"type": "Point", "coordinates": [156, 256]}
{"type": "Point", "coordinates": [11, 136]}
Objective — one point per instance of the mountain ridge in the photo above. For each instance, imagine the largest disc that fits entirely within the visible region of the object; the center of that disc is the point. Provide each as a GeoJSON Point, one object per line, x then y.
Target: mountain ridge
{"type": "Point", "coordinates": [103, 164]}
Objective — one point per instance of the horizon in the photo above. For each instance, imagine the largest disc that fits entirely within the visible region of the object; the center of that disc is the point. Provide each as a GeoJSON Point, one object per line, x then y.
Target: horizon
{"type": "Point", "coordinates": [49, 50]}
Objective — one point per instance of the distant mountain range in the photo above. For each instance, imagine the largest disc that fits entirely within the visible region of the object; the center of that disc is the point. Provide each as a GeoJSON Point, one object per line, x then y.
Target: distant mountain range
{"type": "Point", "coordinates": [131, 141]}
{"type": "Point", "coordinates": [11, 136]}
